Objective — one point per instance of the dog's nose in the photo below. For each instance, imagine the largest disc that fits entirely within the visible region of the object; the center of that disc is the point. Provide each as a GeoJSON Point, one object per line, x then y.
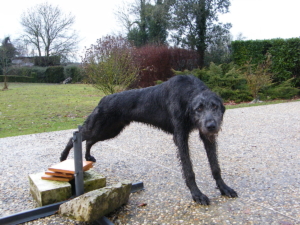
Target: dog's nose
{"type": "Point", "coordinates": [211, 125]}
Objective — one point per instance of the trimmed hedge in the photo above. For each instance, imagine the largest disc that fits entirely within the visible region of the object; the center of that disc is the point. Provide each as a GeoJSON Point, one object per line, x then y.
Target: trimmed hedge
{"type": "Point", "coordinates": [47, 61]}
{"type": "Point", "coordinates": [75, 72]}
{"type": "Point", "coordinates": [55, 74]}
{"type": "Point", "coordinates": [23, 79]}
{"type": "Point", "coordinates": [21, 74]}
{"type": "Point", "coordinates": [285, 56]}
{"type": "Point", "coordinates": [286, 59]}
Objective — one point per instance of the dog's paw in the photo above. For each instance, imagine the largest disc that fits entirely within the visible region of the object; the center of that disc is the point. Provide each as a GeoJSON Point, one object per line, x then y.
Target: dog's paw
{"type": "Point", "coordinates": [90, 158]}
{"type": "Point", "coordinates": [229, 192]}
{"type": "Point", "coordinates": [201, 199]}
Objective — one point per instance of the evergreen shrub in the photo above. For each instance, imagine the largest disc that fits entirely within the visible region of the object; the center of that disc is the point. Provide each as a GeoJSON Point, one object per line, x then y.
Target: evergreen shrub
{"type": "Point", "coordinates": [225, 80]}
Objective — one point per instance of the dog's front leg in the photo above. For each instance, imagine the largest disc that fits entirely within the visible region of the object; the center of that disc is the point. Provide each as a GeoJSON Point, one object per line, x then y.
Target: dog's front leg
{"type": "Point", "coordinates": [181, 140]}
{"type": "Point", "coordinates": [211, 151]}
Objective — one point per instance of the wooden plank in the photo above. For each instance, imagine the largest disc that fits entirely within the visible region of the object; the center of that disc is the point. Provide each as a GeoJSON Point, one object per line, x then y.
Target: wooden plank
{"type": "Point", "coordinates": [58, 174]}
{"type": "Point", "coordinates": [68, 166]}
{"type": "Point", "coordinates": [48, 177]}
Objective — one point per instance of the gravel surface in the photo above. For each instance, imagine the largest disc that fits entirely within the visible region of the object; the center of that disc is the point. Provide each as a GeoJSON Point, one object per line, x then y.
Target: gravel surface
{"type": "Point", "coordinates": [258, 152]}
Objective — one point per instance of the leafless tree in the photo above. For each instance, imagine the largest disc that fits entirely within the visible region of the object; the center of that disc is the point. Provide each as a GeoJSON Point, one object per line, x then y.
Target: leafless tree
{"type": "Point", "coordinates": [50, 30]}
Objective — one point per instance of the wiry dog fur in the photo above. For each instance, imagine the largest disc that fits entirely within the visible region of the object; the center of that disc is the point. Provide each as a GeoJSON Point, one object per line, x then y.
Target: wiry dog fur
{"type": "Point", "coordinates": [177, 106]}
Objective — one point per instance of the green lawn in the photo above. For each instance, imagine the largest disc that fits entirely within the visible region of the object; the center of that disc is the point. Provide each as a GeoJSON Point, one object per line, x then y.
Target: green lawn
{"type": "Point", "coordinates": [34, 108]}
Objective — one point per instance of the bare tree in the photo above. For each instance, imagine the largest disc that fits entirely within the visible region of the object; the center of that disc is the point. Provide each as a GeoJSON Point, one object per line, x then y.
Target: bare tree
{"type": "Point", "coordinates": [50, 31]}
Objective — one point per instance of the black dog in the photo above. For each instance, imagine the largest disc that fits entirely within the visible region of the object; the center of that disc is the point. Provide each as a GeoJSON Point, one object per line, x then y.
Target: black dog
{"type": "Point", "coordinates": [177, 106]}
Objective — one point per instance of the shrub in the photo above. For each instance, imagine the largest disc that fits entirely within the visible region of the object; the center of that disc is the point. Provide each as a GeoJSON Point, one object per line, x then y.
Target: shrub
{"type": "Point", "coordinates": [183, 59]}
{"type": "Point", "coordinates": [109, 66]}
{"type": "Point", "coordinates": [281, 91]}
{"type": "Point", "coordinates": [258, 76]}
{"type": "Point", "coordinates": [226, 80]}
{"type": "Point", "coordinates": [154, 63]}
{"type": "Point", "coordinates": [159, 63]}
{"type": "Point", "coordinates": [228, 94]}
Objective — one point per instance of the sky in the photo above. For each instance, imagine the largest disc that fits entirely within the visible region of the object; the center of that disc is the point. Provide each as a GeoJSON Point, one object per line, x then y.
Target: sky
{"type": "Point", "coordinates": [255, 19]}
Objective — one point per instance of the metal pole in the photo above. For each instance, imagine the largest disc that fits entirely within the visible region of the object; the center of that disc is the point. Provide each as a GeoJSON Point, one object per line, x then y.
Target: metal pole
{"type": "Point", "coordinates": [77, 140]}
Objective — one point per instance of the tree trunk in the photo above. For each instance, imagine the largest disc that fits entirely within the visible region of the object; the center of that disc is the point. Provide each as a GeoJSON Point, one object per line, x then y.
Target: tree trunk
{"type": "Point", "coordinates": [143, 23]}
{"type": "Point", "coordinates": [201, 53]}
{"type": "Point", "coordinates": [5, 83]}
{"type": "Point", "coordinates": [201, 30]}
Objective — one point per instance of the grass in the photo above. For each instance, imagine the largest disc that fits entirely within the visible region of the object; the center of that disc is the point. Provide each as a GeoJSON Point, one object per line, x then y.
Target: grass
{"type": "Point", "coordinates": [34, 108]}
{"type": "Point", "coordinates": [28, 108]}
{"type": "Point", "coordinates": [244, 104]}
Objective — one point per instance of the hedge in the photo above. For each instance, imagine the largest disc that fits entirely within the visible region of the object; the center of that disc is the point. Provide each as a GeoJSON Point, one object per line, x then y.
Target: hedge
{"type": "Point", "coordinates": [75, 72]}
{"type": "Point", "coordinates": [285, 56]}
{"type": "Point", "coordinates": [23, 79]}
{"type": "Point", "coordinates": [47, 61]}
{"type": "Point", "coordinates": [55, 74]}
{"type": "Point", "coordinates": [52, 74]}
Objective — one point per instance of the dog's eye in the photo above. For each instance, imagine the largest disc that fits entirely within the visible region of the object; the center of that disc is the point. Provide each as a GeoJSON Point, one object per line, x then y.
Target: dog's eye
{"type": "Point", "coordinates": [215, 107]}
{"type": "Point", "coordinates": [200, 108]}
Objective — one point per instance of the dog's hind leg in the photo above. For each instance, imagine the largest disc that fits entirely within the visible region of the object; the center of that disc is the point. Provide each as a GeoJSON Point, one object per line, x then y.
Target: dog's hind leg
{"type": "Point", "coordinates": [66, 151]}
{"type": "Point", "coordinates": [104, 132]}
{"type": "Point", "coordinates": [89, 144]}
{"type": "Point", "coordinates": [211, 151]}
{"type": "Point", "coordinates": [69, 146]}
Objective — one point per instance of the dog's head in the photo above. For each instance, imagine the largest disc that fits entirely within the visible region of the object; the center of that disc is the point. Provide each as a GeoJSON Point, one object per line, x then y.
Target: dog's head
{"type": "Point", "coordinates": [206, 112]}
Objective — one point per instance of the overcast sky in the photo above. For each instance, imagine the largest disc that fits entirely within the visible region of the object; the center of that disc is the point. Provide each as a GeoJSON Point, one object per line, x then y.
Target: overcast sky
{"type": "Point", "coordinates": [255, 19]}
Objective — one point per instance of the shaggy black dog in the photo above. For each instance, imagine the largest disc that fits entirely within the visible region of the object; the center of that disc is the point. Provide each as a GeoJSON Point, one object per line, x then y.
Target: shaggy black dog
{"type": "Point", "coordinates": [177, 106]}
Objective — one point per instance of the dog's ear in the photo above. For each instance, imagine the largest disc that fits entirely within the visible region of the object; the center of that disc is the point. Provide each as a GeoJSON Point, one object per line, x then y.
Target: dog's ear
{"type": "Point", "coordinates": [188, 110]}
{"type": "Point", "coordinates": [222, 108]}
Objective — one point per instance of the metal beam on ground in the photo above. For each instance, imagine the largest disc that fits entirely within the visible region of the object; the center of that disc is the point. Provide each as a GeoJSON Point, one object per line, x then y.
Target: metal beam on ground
{"type": "Point", "coordinates": [49, 210]}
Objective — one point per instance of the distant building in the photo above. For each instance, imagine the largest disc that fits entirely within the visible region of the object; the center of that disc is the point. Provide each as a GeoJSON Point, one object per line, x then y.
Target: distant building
{"type": "Point", "coordinates": [23, 61]}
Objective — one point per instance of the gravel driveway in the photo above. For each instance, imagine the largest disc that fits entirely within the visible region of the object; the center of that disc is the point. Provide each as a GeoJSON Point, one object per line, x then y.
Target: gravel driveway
{"type": "Point", "coordinates": [259, 152]}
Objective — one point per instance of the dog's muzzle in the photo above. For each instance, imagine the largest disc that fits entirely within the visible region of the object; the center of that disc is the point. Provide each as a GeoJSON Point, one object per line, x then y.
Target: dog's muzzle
{"type": "Point", "coordinates": [211, 126]}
